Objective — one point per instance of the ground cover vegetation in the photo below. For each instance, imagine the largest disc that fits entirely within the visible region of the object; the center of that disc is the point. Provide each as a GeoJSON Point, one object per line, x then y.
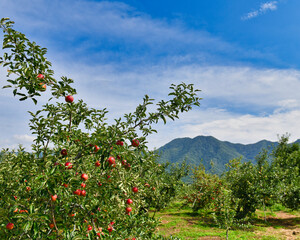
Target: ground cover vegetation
{"type": "Point", "coordinates": [83, 178]}
{"type": "Point", "coordinates": [182, 223]}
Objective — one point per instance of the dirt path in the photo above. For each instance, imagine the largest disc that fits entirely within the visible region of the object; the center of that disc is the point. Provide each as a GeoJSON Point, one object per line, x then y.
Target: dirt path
{"type": "Point", "coordinates": [284, 226]}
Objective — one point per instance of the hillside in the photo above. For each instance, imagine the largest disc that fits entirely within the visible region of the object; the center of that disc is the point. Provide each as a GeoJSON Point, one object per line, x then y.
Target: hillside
{"type": "Point", "coordinates": [209, 149]}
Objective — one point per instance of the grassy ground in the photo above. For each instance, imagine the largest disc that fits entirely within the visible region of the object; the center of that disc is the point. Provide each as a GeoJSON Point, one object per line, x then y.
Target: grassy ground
{"type": "Point", "coordinates": [184, 224]}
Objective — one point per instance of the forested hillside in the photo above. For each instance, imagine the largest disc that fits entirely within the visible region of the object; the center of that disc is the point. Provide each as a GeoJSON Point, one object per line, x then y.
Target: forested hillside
{"type": "Point", "coordinates": [207, 149]}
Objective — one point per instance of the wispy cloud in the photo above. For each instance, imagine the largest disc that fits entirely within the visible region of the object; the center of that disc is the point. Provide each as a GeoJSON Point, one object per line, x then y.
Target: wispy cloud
{"type": "Point", "coordinates": [100, 28]}
{"type": "Point", "coordinates": [264, 7]}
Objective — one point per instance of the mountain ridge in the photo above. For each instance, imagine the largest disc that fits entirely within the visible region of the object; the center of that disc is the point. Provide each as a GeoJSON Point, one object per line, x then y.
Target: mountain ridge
{"type": "Point", "coordinates": [207, 149]}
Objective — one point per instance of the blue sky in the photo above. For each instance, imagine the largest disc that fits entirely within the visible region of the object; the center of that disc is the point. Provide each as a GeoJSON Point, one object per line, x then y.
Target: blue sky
{"type": "Point", "coordinates": [242, 54]}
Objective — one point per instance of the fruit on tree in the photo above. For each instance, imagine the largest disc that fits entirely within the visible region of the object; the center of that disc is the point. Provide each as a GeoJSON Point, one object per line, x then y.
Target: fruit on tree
{"type": "Point", "coordinates": [10, 226]}
{"type": "Point", "coordinates": [69, 99]}
{"type": "Point", "coordinates": [110, 228]}
{"type": "Point", "coordinates": [120, 143]}
{"type": "Point", "coordinates": [77, 192]}
{"type": "Point", "coordinates": [44, 86]}
{"type": "Point", "coordinates": [135, 142]}
{"type": "Point", "coordinates": [128, 209]}
{"type": "Point", "coordinates": [51, 225]}
{"type": "Point", "coordinates": [53, 198]}
{"type": "Point", "coordinates": [83, 193]}
{"type": "Point", "coordinates": [129, 201]}
{"type": "Point", "coordinates": [135, 189]}
{"type": "Point", "coordinates": [111, 160]}
{"type": "Point", "coordinates": [83, 185]}
{"type": "Point", "coordinates": [97, 164]}
{"type": "Point", "coordinates": [96, 148]}
{"type": "Point", "coordinates": [64, 152]}
{"type": "Point", "coordinates": [68, 165]}
{"type": "Point", "coordinates": [40, 76]}
{"type": "Point", "coordinates": [84, 176]}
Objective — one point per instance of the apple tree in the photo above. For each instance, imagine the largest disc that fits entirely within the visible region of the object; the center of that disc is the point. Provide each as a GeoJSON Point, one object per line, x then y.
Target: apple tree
{"type": "Point", "coordinates": [204, 191]}
{"type": "Point", "coordinates": [285, 166]}
{"type": "Point", "coordinates": [83, 178]}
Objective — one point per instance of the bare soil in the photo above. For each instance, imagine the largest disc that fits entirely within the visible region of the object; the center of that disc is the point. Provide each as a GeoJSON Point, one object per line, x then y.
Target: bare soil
{"type": "Point", "coordinates": [283, 226]}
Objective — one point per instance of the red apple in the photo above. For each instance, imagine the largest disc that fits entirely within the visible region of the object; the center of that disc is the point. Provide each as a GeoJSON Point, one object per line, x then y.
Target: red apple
{"type": "Point", "coordinates": [68, 165]}
{"type": "Point", "coordinates": [40, 76]}
{"type": "Point", "coordinates": [65, 185]}
{"type": "Point", "coordinates": [64, 152]}
{"type": "Point", "coordinates": [120, 143]}
{"type": "Point", "coordinates": [128, 209]}
{"type": "Point", "coordinates": [129, 201]}
{"type": "Point", "coordinates": [69, 99]}
{"type": "Point", "coordinates": [83, 193]}
{"type": "Point", "coordinates": [110, 228]}
{"type": "Point", "coordinates": [90, 227]}
{"type": "Point", "coordinates": [135, 189]}
{"type": "Point", "coordinates": [99, 184]}
{"type": "Point", "coordinates": [83, 185]}
{"type": "Point", "coordinates": [10, 226]}
{"type": "Point", "coordinates": [54, 197]}
{"type": "Point", "coordinates": [135, 142]}
{"type": "Point", "coordinates": [97, 164]}
{"type": "Point", "coordinates": [84, 177]}
{"type": "Point", "coordinates": [77, 192]}
{"type": "Point", "coordinates": [96, 148]}
{"type": "Point", "coordinates": [111, 160]}
{"type": "Point", "coordinates": [51, 225]}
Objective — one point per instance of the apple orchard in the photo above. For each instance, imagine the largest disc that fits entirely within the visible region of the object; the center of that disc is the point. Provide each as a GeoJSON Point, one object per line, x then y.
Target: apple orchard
{"type": "Point", "coordinates": [96, 181]}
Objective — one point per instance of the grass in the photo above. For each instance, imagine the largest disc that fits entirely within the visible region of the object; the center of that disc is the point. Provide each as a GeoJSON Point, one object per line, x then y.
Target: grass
{"type": "Point", "coordinates": [184, 224]}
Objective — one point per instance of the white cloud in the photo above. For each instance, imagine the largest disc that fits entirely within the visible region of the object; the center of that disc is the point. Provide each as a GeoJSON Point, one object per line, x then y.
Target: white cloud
{"type": "Point", "coordinates": [264, 7]}
{"type": "Point", "coordinates": [248, 128]}
{"type": "Point", "coordinates": [25, 138]}
{"type": "Point", "coordinates": [114, 20]}
{"type": "Point", "coordinates": [244, 129]}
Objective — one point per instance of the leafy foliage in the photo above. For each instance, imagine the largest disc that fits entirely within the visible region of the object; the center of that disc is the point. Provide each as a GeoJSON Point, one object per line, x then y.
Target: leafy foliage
{"type": "Point", "coordinates": [84, 179]}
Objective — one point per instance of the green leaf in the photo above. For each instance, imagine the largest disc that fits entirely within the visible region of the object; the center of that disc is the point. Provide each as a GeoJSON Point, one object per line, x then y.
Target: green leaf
{"type": "Point", "coordinates": [23, 98]}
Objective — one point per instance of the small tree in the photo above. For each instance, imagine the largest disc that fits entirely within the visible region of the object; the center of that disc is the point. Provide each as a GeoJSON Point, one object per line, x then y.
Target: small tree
{"type": "Point", "coordinates": [225, 211]}
{"type": "Point", "coordinates": [205, 189]}
{"type": "Point", "coordinates": [240, 179]}
{"type": "Point", "coordinates": [286, 168]}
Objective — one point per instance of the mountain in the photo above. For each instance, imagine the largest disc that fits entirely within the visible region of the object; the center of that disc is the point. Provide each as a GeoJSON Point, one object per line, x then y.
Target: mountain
{"type": "Point", "coordinates": [207, 149]}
